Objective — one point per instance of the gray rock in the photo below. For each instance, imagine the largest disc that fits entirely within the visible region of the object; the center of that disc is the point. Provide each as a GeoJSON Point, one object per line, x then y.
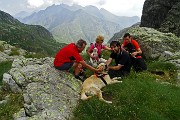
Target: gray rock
{"type": "Point", "coordinates": [162, 15]}
{"type": "Point", "coordinates": [48, 93]}
{"type": "Point", "coordinates": [10, 84]}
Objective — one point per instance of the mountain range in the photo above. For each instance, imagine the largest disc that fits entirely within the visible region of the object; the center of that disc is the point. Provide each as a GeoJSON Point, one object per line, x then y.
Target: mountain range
{"type": "Point", "coordinates": [33, 38]}
{"type": "Point", "coordinates": [70, 23]}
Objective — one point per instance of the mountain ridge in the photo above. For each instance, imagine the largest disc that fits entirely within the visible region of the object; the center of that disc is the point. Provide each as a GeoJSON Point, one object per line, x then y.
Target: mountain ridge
{"type": "Point", "coordinates": [33, 38]}
{"type": "Point", "coordinates": [56, 16]}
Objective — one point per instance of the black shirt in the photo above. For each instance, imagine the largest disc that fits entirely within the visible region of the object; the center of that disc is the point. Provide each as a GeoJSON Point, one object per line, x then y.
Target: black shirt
{"type": "Point", "coordinates": [123, 59]}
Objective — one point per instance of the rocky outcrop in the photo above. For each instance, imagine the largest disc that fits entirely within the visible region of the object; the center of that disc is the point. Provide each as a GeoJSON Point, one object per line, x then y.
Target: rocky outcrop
{"type": "Point", "coordinates": [154, 44]}
{"type": "Point", "coordinates": [9, 52]}
{"type": "Point", "coordinates": [48, 93]}
{"type": "Point", "coordinates": [162, 15]}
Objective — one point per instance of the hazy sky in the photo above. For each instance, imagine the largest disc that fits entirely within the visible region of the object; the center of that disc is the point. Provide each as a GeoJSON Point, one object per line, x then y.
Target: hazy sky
{"type": "Point", "coordinates": [117, 7]}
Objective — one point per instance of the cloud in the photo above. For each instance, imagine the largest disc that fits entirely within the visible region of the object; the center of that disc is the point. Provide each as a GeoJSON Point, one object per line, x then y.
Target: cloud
{"type": "Point", "coordinates": [35, 3]}
{"type": "Point", "coordinates": [101, 2]}
{"type": "Point", "coordinates": [118, 7]}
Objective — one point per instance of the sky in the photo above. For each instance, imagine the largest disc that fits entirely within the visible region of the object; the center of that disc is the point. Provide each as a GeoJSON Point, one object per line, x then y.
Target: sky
{"type": "Point", "coordinates": [117, 7]}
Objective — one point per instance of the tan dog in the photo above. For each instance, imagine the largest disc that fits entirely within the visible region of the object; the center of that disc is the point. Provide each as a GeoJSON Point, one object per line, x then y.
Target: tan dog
{"type": "Point", "coordinates": [92, 85]}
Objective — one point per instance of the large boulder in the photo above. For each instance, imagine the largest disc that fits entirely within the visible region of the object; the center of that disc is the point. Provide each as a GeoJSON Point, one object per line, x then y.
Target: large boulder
{"type": "Point", "coordinates": [162, 15]}
{"type": "Point", "coordinates": [48, 93]}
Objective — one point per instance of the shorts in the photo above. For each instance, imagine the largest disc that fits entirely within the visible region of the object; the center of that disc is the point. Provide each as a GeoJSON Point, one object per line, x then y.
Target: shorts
{"type": "Point", "coordinates": [65, 66]}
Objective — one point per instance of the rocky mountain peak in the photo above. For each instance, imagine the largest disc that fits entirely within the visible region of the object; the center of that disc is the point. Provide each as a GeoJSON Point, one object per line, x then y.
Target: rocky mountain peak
{"type": "Point", "coordinates": [162, 15]}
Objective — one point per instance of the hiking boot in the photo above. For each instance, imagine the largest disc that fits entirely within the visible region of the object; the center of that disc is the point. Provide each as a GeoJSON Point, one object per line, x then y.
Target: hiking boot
{"type": "Point", "coordinates": [79, 77]}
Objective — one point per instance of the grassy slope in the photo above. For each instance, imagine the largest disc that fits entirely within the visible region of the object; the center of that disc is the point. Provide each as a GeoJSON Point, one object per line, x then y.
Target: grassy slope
{"type": "Point", "coordinates": [140, 96]}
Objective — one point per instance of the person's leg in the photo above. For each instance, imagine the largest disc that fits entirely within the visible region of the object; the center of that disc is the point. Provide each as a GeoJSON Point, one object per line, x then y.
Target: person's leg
{"type": "Point", "coordinates": [65, 66]}
{"type": "Point", "coordinates": [115, 73]}
{"type": "Point", "coordinates": [78, 71]}
{"type": "Point", "coordinates": [142, 64]}
{"type": "Point", "coordinates": [139, 65]}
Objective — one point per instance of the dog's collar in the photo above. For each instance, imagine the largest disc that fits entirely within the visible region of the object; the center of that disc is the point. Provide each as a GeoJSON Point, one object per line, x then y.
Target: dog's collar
{"type": "Point", "coordinates": [102, 77]}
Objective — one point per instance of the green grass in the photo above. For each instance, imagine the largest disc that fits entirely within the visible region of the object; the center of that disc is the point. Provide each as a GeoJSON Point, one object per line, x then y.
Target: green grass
{"type": "Point", "coordinates": [14, 104]}
{"type": "Point", "coordinates": [14, 51]}
{"type": "Point", "coordinates": [1, 48]}
{"type": "Point", "coordinates": [139, 97]}
{"type": "Point", "coordinates": [34, 55]}
{"type": "Point", "coordinates": [169, 70]}
{"type": "Point", "coordinates": [14, 101]}
{"type": "Point", "coordinates": [4, 67]}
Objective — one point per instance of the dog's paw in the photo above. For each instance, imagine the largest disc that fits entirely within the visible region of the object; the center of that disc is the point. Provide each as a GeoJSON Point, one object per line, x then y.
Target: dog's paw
{"type": "Point", "coordinates": [116, 78]}
{"type": "Point", "coordinates": [108, 101]}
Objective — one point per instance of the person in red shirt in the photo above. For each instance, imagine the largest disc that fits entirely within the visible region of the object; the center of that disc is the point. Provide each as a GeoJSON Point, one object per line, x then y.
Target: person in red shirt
{"type": "Point", "coordinates": [69, 56]}
{"type": "Point", "coordinates": [132, 47]}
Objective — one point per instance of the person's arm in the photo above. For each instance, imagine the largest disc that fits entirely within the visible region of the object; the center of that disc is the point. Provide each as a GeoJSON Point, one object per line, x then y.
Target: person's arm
{"type": "Point", "coordinates": [122, 48]}
{"type": "Point", "coordinates": [138, 49]}
{"type": "Point", "coordinates": [90, 67]}
{"type": "Point", "coordinates": [108, 61]}
{"type": "Point", "coordinates": [115, 67]}
{"type": "Point", "coordinates": [89, 51]}
{"type": "Point", "coordinates": [107, 48]}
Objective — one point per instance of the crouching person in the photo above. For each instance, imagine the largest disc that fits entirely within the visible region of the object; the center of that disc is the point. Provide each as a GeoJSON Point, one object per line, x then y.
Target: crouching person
{"type": "Point", "coordinates": [69, 57]}
{"type": "Point", "coordinates": [122, 61]}
{"type": "Point", "coordinates": [132, 47]}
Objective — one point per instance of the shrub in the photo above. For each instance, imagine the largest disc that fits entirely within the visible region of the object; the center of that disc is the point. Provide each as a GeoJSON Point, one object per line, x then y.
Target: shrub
{"type": "Point", "coordinates": [1, 48]}
{"type": "Point", "coordinates": [14, 51]}
{"type": "Point", "coordinates": [4, 67]}
{"type": "Point", "coordinates": [35, 55]}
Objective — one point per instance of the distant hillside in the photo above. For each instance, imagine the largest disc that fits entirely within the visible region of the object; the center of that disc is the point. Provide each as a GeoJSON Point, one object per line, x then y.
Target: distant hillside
{"type": "Point", "coordinates": [120, 34]}
{"type": "Point", "coordinates": [32, 38]}
{"type": "Point", "coordinates": [69, 23]}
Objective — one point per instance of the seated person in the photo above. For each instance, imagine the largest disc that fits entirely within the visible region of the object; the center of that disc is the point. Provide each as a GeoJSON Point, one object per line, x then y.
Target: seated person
{"type": "Point", "coordinates": [122, 61]}
{"type": "Point", "coordinates": [95, 49]}
{"type": "Point", "coordinates": [132, 47]}
{"type": "Point", "coordinates": [69, 57]}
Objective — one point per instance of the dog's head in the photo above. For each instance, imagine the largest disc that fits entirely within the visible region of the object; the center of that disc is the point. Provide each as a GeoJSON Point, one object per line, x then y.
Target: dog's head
{"type": "Point", "coordinates": [102, 66]}
{"type": "Point", "coordinates": [95, 50]}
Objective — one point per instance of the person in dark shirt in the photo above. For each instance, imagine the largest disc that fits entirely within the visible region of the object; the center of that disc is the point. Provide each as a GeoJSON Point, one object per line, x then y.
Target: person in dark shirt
{"type": "Point", "coordinates": [122, 61]}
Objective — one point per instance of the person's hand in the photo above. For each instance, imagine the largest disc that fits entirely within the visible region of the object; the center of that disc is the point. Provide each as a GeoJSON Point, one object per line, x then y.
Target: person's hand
{"type": "Point", "coordinates": [134, 54]}
{"type": "Point", "coordinates": [107, 68]}
{"type": "Point", "coordinates": [98, 70]}
{"type": "Point", "coordinates": [92, 56]}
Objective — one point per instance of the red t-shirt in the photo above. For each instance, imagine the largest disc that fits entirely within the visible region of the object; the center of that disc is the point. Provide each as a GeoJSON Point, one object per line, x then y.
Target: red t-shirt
{"type": "Point", "coordinates": [67, 54]}
{"type": "Point", "coordinates": [136, 45]}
